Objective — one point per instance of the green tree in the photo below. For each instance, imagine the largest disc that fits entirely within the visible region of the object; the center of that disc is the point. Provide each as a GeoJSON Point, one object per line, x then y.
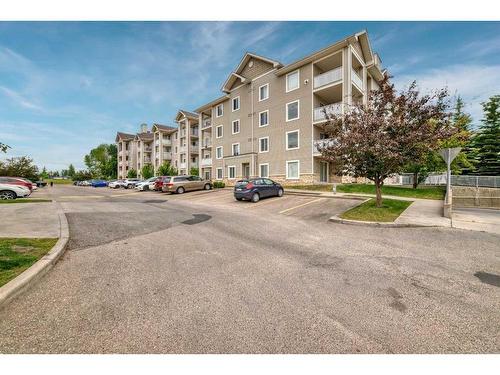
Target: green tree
{"type": "Point", "coordinates": [82, 176]}
{"type": "Point", "coordinates": [194, 171]}
{"type": "Point", "coordinates": [3, 147]}
{"type": "Point", "coordinates": [431, 162]}
{"type": "Point", "coordinates": [19, 167]}
{"type": "Point", "coordinates": [167, 169]}
{"type": "Point", "coordinates": [132, 173]}
{"type": "Point", "coordinates": [147, 171]}
{"type": "Point", "coordinates": [102, 161]}
{"type": "Point", "coordinates": [71, 171]}
{"type": "Point", "coordinates": [486, 142]}
{"type": "Point", "coordinates": [44, 174]}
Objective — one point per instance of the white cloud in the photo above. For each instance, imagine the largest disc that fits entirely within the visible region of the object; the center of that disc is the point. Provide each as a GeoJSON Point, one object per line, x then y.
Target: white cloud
{"type": "Point", "coordinates": [19, 99]}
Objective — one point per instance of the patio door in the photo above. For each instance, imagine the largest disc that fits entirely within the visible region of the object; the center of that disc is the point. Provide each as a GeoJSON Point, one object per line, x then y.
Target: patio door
{"type": "Point", "coordinates": [207, 175]}
{"type": "Point", "coordinates": [246, 170]}
{"type": "Point", "coordinates": [323, 171]}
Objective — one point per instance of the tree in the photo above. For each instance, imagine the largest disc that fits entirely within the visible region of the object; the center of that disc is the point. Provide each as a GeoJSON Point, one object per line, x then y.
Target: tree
{"type": "Point", "coordinates": [378, 139]}
{"type": "Point", "coordinates": [19, 167]}
{"type": "Point", "coordinates": [71, 171]}
{"type": "Point", "coordinates": [432, 162]}
{"type": "Point", "coordinates": [44, 174]}
{"type": "Point", "coordinates": [102, 161]}
{"type": "Point", "coordinates": [194, 171]}
{"type": "Point", "coordinates": [3, 147]}
{"type": "Point", "coordinates": [486, 143]}
{"type": "Point", "coordinates": [147, 171]}
{"type": "Point", "coordinates": [82, 176]}
{"type": "Point", "coordinates": [132, 173]}
{"type": "Point", "coordinates": [167, 169]}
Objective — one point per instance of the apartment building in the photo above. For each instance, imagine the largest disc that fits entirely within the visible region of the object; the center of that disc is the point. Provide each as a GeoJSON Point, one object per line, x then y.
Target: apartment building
{"type": "Point", "coordinates": [268, 122]}
{"type": "Point", "coordinates": [126, 147]}
{"type": "Point", "coordinates": [164, 143]}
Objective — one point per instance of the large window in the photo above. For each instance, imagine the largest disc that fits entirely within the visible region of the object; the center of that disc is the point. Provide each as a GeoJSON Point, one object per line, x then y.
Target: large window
{"type": "Point", "coordinates": [236, 149]}
{"type": "Point", "coordinates": [292, 81]}
{"type": "Point", "coordinates": [264, 118]}
{"type": "Point", "coordinates": [292, 140]}
{"type": "Point", "coordinates": [264, 144]}
{"type": "Point", "coordinates": [292, 110]}
{"type": "Point", "coordinates": [231, 172]}
{"type": "Point", "coordinates": [292, 169]}
{"type": "Point", "coordinates": [264, 92]}
{"type": "Point", "coordinates": [236, 126]}
{"type": "Point", "coordinates": [236, 103]}
{"type": "Point", "coordinates": [264, 170]}
{"type": "Point", "coordinates": [219, 173]}
{"type": "Point", "coordinates": [219, 131]}
{"type": "Point", "coordinates": [218, 152]}
{"type": "Point", "coordinates": [219, 110]}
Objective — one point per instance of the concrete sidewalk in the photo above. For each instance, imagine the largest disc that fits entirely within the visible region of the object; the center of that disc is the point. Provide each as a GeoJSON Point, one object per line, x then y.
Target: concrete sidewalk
{"type": "Point", "coordinates": [479, 219]}
{"type": "Point", "coordinates": [29, 220]}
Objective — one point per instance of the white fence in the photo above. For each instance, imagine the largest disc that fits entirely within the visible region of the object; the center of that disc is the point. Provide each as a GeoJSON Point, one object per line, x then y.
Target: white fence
{"type": "Point", "coordinates": [440, 179]}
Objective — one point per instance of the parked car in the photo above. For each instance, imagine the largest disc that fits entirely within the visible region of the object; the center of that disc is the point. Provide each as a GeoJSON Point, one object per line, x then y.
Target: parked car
{"type": "Point", "coordinates": [41, 183]}
{"type": "Point", "coordinates": [159, 182]}
{"type": "Point", "coordinates": [146, 184]}
{"type": "Point", "coordinates": [11, 191]}
{"type": "Point", "coordinates": [115, 184]}
{"type": "Point", "coordinates": [129, 183]}
{"type": "Point", "coordinates": [98, 183]}
{"type": "Point", "coordinates": [16, 181]}
{"type": "Point", "coordinates": [181, 184]}
{"type": "Point", "coordinates": [85, 183]}
{"type": "Point", "coordinates": [254, 189]}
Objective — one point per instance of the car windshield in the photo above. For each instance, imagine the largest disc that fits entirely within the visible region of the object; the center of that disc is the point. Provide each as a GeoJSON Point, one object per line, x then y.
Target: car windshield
{"type": "Point", "coordinates": [242, 183]}
{"type": "Point", "coordinates": [166, 179]}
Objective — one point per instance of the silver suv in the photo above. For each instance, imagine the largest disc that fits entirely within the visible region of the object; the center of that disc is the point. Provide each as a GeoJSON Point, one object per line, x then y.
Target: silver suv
{"type": "Point", "coordinates": [181, 184]}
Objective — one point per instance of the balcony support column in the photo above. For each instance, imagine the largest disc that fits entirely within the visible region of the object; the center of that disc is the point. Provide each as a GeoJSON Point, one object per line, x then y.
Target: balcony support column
{"type": "Point", "coordinates": [365, 85]}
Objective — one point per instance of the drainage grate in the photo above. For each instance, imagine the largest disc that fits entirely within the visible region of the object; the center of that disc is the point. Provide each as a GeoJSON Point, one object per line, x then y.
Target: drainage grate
{"type": "Point", "coordinates": [488, 278]}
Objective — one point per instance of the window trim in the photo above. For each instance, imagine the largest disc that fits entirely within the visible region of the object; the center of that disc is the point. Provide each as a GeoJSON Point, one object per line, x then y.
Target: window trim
{"type": "Point", "coordinates": [260, 151]}
{"type": "Point", "coordinates": [298, 140]}
{"type": "Point", "coordinates": [221, 105]}
{"type": "Point", "coordinates": [298, 169]}
{"type": "Point", "coordinates": [222, 132]}
{"type": "Point", "coordinates": [261, 126]}
{"type": "Point", "coordinates": [229, 174]}
{"type": "Point", "coordinates": [217, 173]}
{"type": "Point", "coordinates": [232, 126]}
{"type": "Point", "coordinates": [260, 171]}
{"type": "Point", "coordinates": [262, 99]}
{"type": "Point", "coordinates": [298, 110]}
{"type": "Point", "coordinates": [298, 81]}
{"type": "Point", "coordinates": [232, 149]}
{"type": "Point", "coordinates": [232, 104]}
{"type": "Point", "coordinates": [221, 152]}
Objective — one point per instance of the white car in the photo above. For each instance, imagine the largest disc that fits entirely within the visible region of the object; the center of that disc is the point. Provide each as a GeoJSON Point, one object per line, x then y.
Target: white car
{"type": "Point", "coordinates": [146, 184]}
{"type": "Point", "coordinates": [115, 184]}
{"type": "Point", "coordinates": [13, 191]}
{"type": "Point", "coordinates": [130, 183]}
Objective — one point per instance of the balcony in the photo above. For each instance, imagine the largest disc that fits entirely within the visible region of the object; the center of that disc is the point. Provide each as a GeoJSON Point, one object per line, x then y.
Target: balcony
{"type": "Point", "coordinates": [206, 124]}
{"type": "Point", "coordinates": [183, 165]}
{"type": "Point", "coordinates": [318, 144]}
{"type": "Point", "coordinates": [194, 132]}
{"type": "Point", "coordinates": [147, 160]}
{"type": "Point", "coordinates": [207, 143]}
{"type": "Point", "coordinates": [206, 162]}
{"type": "Point", "coordinates": [183, 149]}
{"type": "Point", "coordinates": [356, 79]}
{"type": "Point", "coordinates": [148, 149]}
{"type": "Point", "coordinates": [194, 150]}
{"type": "Point", "coordinates": [319, 113]}
{"type": "Point", "coordinates": [166, 142]}
{"type": "Point", "coordinates": [328, 77]}
{"type": "Point", "coordinates": [167, 155]}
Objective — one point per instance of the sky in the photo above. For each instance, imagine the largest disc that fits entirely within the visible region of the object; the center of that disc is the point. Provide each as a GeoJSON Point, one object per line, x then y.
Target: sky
{"type": "Point", "coordinates": [66, 87]}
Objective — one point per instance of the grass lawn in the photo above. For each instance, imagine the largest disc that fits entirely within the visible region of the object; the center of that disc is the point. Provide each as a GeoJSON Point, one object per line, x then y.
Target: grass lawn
{"type": "Point", "coordinates": [423, 192]}
{"type": "Point", "coordinates": [24, 200]}
{"type": "Point", "coordinates": [18, 254]}
{"type": "Point", "coordinates": [368, 211]}
{"type": "Point", "coordinates": [58, 181]}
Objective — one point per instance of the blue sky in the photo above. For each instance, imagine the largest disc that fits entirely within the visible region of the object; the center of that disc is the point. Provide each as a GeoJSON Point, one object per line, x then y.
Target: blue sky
{"type": "Point", "coordinates": [66, 87]}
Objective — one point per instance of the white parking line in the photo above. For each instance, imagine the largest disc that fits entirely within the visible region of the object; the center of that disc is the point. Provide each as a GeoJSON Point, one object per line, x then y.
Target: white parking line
{"type": "Point", "coordinates": [301, 205]}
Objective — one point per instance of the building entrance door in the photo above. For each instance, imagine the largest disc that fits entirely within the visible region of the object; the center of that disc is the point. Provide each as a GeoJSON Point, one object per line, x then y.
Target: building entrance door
{"type": "Point", "coordinates": [207, 175]}
{"type": "Point", "coordinates": [245, 167]}
{"type": "Point", "coordinates": [323, 171]}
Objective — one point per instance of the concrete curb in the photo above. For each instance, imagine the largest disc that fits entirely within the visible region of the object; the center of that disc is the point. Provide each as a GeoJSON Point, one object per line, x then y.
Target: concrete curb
{"type": "Point", "coordinates": [377, 224]}
{"type": "Point", "coordinates": [26, 279]}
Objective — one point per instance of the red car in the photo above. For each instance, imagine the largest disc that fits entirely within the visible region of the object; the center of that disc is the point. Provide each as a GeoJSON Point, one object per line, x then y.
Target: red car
{"type": "Point", "coordinates": [159, 182]}
{"type": "Point", "coordinates": [16, 181]}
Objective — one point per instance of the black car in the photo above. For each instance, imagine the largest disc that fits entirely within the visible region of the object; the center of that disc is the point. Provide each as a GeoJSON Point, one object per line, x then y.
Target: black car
{"type": "Point", "coordinates": [254, 189]}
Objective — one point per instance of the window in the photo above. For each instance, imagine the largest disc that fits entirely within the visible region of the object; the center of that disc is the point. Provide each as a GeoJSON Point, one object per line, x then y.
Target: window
{"type": "Point", "coordinates": [219, 110]}
{"type": "Point", "coordinates": [231, 172]}
{"type": "Point", "coordinates": [264, 144]}
{"type": "Point", "coordinates": [236, 103]}
{"type": "Point", "coordinates": [236, 126]}
{"type": "Point", "coordinates": [264, 118]}
{"type": "Point", "coordinates": [264, 170]}
{"type": "Point", "coordinates": [219, 174]}
{"type": "Point", "coordinates": [264, 92]}
{"type": "Point", "coordinates": [292, 111]}
{"type": "Point", "coordinates": [292, 140]}
{"type": "Point", "coordinates": [236, 149]}
{"type": "Point", "coordinates": [292, 81]}
{"type": "Point", "coordinates": [219, 131]}
{"type": "Point", "coordinates": [292, 169]}
{"type": "Point", "coordinates": [218, 152]}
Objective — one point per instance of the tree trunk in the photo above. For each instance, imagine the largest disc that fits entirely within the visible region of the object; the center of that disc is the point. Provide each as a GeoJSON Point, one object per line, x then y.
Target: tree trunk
{"type": "Point", "coordinates": [415, 180]}
{"type": "Point", "coordinates": [378, 190]}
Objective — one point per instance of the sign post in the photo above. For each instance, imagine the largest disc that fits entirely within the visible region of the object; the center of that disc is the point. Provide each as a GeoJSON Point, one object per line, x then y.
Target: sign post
{"type": "Point", "coordinates": [448, 154]}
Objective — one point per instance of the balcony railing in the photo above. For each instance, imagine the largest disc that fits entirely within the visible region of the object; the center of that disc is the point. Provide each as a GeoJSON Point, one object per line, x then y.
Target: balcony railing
{"type": "Point", "coordinates": [356, 79]}
{"type": "Point", "coordinates": [206, 124]}
{"type": "Point", "coordinates": [320, 143]}
{"type": "Point", "coordinates": [194, 133]}
{"type": "Point", "coordinates": [183, 165]}
{"type": "Point", "coordinates": [207, 143]}
{"type": "Point", "coordinates": [194, 150]}
{"type": "Point", "coordinates": [328, 77]}
{"type": "Point", "coordinates": [148, 149]}
{"type": "Point", "coordinates": [167, 155]}
{"type": "Point", "coordinates": [319, 113]}
{"type": "Point", "coordinates": [206, 162]}
{"type": "Point", "coordinates": [166, 142]}
{"type": "Point", "coordinates": [183, 149]}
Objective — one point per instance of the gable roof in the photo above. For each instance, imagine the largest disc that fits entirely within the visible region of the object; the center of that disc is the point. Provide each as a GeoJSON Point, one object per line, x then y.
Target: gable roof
{"type": "Point", "coordinates": [187, 114]}
{"type": "Point", "coordinates": [164, 128]}
{"type": "Point", "coordinates": [144, 136]}
{"type": "Point", "coordinates": [124, 136]}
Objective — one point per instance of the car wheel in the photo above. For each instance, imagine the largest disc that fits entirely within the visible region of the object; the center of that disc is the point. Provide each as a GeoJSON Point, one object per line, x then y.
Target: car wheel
{"type": "Point", "coordinates": [280, 192]}
{"type": "Point", "coordinates": [146, 187]}
{"type": "Point", "coordinates": [180, 190]}
{"type": "Point", "coordinates": [239, 199]}
{"type": "Point", "coordinates": [6, 194]}
{"type": "Point", "coordinates": [130, 186]}
{"type": "Point", "coordinates": [255, 197]}
{"type": "Point", "coordinates": [207, 187]}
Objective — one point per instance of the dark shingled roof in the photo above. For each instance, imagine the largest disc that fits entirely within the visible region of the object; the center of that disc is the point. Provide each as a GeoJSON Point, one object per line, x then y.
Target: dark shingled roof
{"type": "Point", "coordinates": [145, 136]}
{"type": "Point", "coordinates": [165, 128]}
{"type": "Point", "coordinates": [125, 136]}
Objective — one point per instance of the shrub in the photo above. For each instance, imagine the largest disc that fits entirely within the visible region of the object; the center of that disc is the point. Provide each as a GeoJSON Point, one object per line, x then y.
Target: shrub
{"type": "Point", "coordinates": [218, 184]}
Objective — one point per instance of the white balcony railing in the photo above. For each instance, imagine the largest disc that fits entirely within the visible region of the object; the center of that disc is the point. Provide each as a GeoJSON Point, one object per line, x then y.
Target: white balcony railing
{"type": "Point", "coordinates": [318, 144]}
{"type": "Point", "coordinates": [183, 165]}
{"type": "Point", "coordinates": [356, 79]}
{"type": "Point", "coordinates": [166, 142]}
{"type": "Point", "coordinates": [167, 155]}
{"type": "Point", "coordinates": [206, 162]}
{"type": "Point", "coordinates": [183, 149]}
{"type": "Point", "coordinates": [194, 133]}
{"type": "Point", "coordinates": [319, 113]}
{"type": "Point", "coordinates": [206, 124]}
{"type": "Point", "coordinates": [207, 143]}
{"type": "Point", "coordinates": [328, 77]}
